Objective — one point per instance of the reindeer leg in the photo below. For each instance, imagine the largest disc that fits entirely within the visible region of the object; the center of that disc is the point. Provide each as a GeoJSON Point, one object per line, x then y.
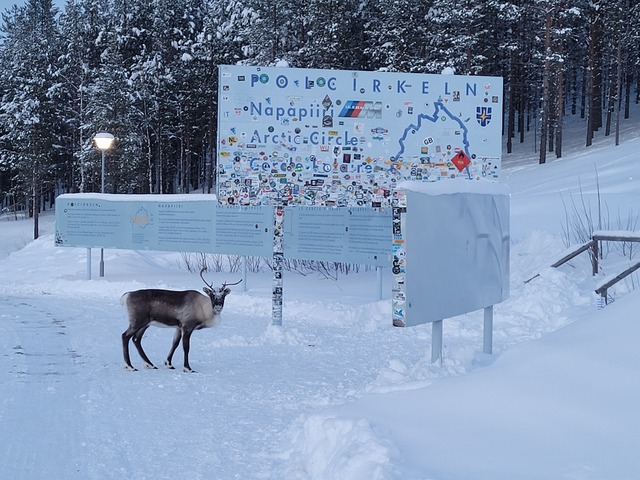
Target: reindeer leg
{"type": "Point", "coordinates": [137, 341]}
{"type": "Point", "coordinates": [126, 336]}
{"type": "Point", "coordinates": [186, 340]}
{"type": "Point", "coordinates": [174, 345]}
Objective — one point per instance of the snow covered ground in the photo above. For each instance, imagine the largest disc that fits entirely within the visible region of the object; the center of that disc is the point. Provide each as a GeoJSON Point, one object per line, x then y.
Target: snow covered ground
{"type": "Point", "coordinates": [336, 392]}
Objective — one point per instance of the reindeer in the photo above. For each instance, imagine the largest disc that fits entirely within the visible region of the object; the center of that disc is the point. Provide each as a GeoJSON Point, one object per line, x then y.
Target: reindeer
{"type": "Point", "coordinates": [185, 311]}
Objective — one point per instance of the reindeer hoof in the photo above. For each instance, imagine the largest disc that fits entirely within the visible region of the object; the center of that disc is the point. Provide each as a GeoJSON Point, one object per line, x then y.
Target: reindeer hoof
{"type": "Point", "coordinates": [188, 370]}
{"type": "Point", "coordinates": [130, 368]}
{"type": "Point", "coordinates": [150, 366]}
{"type": "Point", "coordinates": [168, 365]}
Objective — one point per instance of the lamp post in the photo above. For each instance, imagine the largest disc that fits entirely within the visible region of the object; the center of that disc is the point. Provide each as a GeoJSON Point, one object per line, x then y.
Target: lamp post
{"type": "Point", "coordinates": [103, 141]}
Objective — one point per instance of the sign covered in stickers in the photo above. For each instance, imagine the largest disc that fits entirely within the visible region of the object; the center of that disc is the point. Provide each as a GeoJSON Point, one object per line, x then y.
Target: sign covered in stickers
{"type": "Point", "coordinates": [346, 138]}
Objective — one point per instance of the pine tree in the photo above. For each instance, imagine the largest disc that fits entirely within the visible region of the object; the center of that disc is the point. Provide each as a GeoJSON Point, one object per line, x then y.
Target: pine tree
{"type": "Point", "coordinates": [27, 114]}
{"type": "Point", "coordinates": [81, 24]}
{"type": "Point", "coordinates": [277, 31]}
{"type": "Point", "coordinates": [595, 23]}
{"type": "Point", "coordinates": [397, 35]}
{"type": "Point", "coordinates": [333, 35]}
{"type": "Point", "coordinates": [226, 39]}
{"type": "Point", "coordinates": [146, 71]}
{"type": "Point", "coordinates": [456, 26]}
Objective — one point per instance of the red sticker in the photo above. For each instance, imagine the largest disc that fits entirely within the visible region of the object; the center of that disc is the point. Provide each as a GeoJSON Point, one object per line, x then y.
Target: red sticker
{"type": "Point", "coordinates": [461, 161]}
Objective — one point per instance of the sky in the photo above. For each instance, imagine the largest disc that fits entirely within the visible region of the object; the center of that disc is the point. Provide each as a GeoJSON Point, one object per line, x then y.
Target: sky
{"type": "Point", "coordinates": [7, 4]}
{"type": "Point", "coordinates": [336, 392]}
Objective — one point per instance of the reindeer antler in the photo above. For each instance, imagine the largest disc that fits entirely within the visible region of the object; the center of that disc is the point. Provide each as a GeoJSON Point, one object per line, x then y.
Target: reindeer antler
{"type": "Point", "coordinates": [202, 270]}
{"type": "Point", "coordinates": [210, 285]}
{"type": "Point", "coordinates": [225, 284]}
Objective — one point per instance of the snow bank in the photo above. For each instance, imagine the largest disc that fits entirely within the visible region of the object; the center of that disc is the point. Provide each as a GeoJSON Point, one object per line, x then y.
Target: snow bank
{"type": "Point", "coordinates": [339, 449]}
{"type": "Point", "coordinates": [556, 408]}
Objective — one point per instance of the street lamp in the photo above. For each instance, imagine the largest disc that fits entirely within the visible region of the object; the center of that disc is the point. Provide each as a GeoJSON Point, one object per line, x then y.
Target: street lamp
{"type": "Point", "coordinates": [103, 141]}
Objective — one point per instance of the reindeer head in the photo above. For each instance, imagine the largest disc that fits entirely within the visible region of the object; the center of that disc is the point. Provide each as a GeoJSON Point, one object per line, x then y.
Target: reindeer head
{"type": "Point", "coordinates": [217, 295]}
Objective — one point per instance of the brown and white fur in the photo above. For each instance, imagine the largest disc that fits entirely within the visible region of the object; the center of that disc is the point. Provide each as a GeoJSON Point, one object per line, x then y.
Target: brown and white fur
{"type": "Point", "coordinates": [185, 311]}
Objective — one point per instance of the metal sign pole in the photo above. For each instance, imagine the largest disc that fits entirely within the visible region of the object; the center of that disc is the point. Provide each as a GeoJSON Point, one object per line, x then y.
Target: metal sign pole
{"type": "Point", "coordinates": [244, 273]}
{"type": "Point", "coordinates": [487, 343]}
{"type": "Point", "coordinates": [88, 264]}
{"type": "Point", "coordinates": [436, 341]}
{"type": "Point", "coordinates": [278, 260]}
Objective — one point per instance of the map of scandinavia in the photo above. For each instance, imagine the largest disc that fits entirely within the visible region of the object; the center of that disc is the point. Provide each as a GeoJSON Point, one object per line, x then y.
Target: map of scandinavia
{"type": "Point", "coordinates": [141, 218]}
{"type": "Point", "coordinates": [445, 141]}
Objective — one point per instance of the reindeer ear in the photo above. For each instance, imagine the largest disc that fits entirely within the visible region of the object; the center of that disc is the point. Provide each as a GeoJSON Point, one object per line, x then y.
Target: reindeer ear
{"type": "Point", "coordinates": [207, 290]}
{"type": "Point", "coordinates": [226, 291]}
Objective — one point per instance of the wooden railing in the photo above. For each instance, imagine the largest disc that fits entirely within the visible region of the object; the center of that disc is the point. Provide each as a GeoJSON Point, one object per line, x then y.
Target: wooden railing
{"type": "Point", "coordinates": [602, 236]}
{"type": "Point", "coordinates": [594, 247]}
{"type": "Point", "coordinates": [567, 255]}
{"type": "Point", "coordinates": [606, 283]}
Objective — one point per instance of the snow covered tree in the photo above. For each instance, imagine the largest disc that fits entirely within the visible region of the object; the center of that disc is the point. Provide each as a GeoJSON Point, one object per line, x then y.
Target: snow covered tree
{"type": "Point", "coordinates": [397, 35]}
{"type": "Point", "coordinates": [277, 31]}
{"type": "Point", "coordinates": [456, 26]}
{"type": "Point", "coordinates": [28, 123]}
{"type": "Point", "coordinates": [594, 92]}
{"type": "Point", "coordinates": [146, 71]}
{"type": "Point", "coordinates": [333, 35]}
{"type": "Point", "coordinates": [82, 24]}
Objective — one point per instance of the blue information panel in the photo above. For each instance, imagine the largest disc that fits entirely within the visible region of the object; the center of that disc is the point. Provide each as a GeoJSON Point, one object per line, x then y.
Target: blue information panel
{"type": "Point", "coordinates": [182, 223]}
{"type": "Point", "coordinates": [197, 223]}
{"type": "Point", "coordinates": [239, 230]}
{"type": "Point", "coordinates": [369, 236]}
{"type": "Point", "coordinates": [351, 235]}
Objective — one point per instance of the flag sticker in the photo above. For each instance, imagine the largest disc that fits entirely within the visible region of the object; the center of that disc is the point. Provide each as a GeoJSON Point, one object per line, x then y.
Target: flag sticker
{"type": "Point", "coordinates": [483, 115]}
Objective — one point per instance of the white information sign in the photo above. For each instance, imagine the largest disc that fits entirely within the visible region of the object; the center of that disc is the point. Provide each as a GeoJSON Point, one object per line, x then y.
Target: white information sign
{"type": "Point", "coordinates": [182, 223]}
{"type": "Point", "coordinates": [352, 235]}
{"type": "Point", "coordinates": [197, 223]}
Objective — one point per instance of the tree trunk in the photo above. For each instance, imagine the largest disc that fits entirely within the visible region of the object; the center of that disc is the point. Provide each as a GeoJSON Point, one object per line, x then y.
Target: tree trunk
{"type": "Point", "coordinates": [511, 115]}
{"type": "Point", "coordinates": [583, 91]}
{"type": "Point", "coordinates": [574, 91]}
{"type": "Point", "coordinates": [186, 170]}
{"type": "Point", "coordinates": [149, 162]}
{"type": "Point", "coordinates": [594, 120]}
{"type": "Point", "coordinates": [611, 102]}
{"type": "Point", "coordinates": [560, 106]}
{"type": "Point", "coordinates": [618, 88]}
{"type": "Point", "coordinates": [627, 87]}
{"type": "Point", "coordinates": [521, 107]}
{"type": "Point", "coordinates": [36, 198]}
{"type": "Point", "coordinates": [546, 83]}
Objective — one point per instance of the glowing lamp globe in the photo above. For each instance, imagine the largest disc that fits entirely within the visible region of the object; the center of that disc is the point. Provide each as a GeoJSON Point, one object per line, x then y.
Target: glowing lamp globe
{"type": "Point", "coordinates": [103, 140]}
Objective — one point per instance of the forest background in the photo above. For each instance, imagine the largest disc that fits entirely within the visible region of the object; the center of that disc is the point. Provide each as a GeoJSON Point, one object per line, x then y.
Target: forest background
{"type": "Point", "coordinates": [146, 71]}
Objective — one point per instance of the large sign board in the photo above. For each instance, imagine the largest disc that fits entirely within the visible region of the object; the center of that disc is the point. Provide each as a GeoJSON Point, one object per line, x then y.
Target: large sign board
{"type": "Point", "coordinates": [338, 138]}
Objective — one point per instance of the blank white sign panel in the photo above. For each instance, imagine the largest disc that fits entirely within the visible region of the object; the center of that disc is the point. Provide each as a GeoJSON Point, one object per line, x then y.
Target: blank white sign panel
{"type": "Point", "coordinates": [457, 254]}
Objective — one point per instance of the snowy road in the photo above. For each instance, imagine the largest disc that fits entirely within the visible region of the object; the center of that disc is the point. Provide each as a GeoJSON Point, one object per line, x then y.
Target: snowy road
{"type": "Point", "coordinates": [70, 410]}
{"type": "Point", "coordinates": [39, 416]}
